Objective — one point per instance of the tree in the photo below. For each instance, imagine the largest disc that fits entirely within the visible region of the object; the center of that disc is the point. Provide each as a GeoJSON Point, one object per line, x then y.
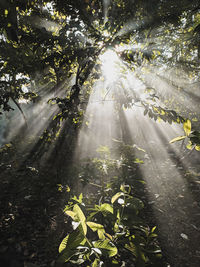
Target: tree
{"type": "Point", "coordinates": [62, 40]}
{"type": "Point", "coordinates": [49, 62]}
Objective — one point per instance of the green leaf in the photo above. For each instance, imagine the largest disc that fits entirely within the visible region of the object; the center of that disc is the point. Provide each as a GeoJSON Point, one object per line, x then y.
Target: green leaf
{"type": "Point", "coordinates": [138, 161]}
{"type": "Point", "coordinates": [125, 188]}
{"type": "Point", "coordinates": [101, 233]}
{"type": "Point", "coordinates": [107, 248]}
{"type": "Point", "coordinates": [136, 203]}
{"type": "Point", "coordinates": [96, 263]}
{"type": "Point", "coordinates": [116, 196]}
{"type": "Point", "coordinates": [69, 244]}
{"type": "Point", "coordinates": [6, 12]}
{"type": "Point", "coordinates": [73, 240]}
{"type": "Point", "coordinates": [80, 217]}
{"type": "Point", "coordinates": [197, 148]}
{"type": "Point", "coordinates": [63, 244]}
{"type": "Point", "coordinates": [104, 208]}
{"type": "Point", "coordinates": [115, 262]}
{"type": "Point", "coordinates": [8, 145]}
{"type": "Point", "coordinates": [137, 252]}
{"type": "Point", "coordinates": [132, 247]}
{"type": "Point", "coordinates": [179, 138]}
{"type": "Point", "coordinates": [189, 145]}
{"type": "Point", "coordinates": [71, 214]}
{"type": "Point", "coordinates": [66, 255]}
{"type": "Point", "coordinates": [79, 200]}
{"type": "Point", "coordinates": [95, 226]}
{"type": "Point", "coordinates": [187, 127]}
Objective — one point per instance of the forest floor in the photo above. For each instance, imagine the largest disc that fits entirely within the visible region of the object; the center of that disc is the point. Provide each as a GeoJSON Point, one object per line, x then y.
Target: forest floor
{"type": "Point", "coordinates": [33, 224]}
{"type": "Point", "coordinates": [30, 213]}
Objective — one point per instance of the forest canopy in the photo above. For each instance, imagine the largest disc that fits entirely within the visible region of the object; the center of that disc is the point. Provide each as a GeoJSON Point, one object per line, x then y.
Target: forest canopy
{"type": "Point", "coordinates": [50, 52]}
{"type": "Point", "coordinates": [50, 41]}
{"type": "Point", "coordinates": [84, 85]}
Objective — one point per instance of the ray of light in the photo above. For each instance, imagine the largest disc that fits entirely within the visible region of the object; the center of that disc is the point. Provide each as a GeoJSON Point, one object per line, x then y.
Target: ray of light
{"type": "Point", "coordinates": [99, 125]}
{"type": "Point", "coordinates": [110, 66]}
{"type": "Point", "coordinates": [179, 92]}
{"type": "Point", "coordinates": [106, 4]}
{"type": "Point", "coordinates": [163, 169]}
{"type": "Point", "coordinates": [39, 116]}
{"type": "Point", "coordinates": [132, 25]}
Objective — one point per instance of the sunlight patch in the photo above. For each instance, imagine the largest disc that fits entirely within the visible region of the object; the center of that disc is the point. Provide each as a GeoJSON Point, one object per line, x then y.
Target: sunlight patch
{"type": "Point", "coordinates": [110, 65]}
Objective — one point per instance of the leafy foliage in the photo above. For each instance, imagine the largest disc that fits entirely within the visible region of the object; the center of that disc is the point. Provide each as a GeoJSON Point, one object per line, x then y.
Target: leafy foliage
{"type": "Point", "coordinates": [61, 40]}
{"type": "Point", "coordinates": [50, 52]}
{"type": "Point", "coordinates": [193, 136]}
{"type": "Point", "coordinates": [117, 233]}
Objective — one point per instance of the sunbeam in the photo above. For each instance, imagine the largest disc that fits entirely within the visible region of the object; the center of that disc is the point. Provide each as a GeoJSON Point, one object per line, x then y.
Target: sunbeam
{"type": "Point", "coordinates": [106, 4]}
{"type": "Point", "coordinates": [99, 133]}
{"type": "Point", "coordinates": [110, 66]}
{"type": "Point", "coordinates": [105, 126]}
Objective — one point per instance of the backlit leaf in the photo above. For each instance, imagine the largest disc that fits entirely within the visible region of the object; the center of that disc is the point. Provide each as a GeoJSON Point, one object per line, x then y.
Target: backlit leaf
{"type": "Point", "coordinates": [116, 196]}
{"type": "Point", "coordinates": [96, 263]}
{"type": "Point", "coordinates": [187, 127]}
{"type": "Point", "coordinates": [106, 208]}
{"type": "Point", "coordinates": [106, 247]}
{"type": "Point", "coordinates": [71, 214]}
{"type": "Point", "coordinates": [197, 148]}
{"type": "Point", "coordinates": [6, 12]}
{"type": "Point", "coordinates": [63, 244]}
{"type": "Point", "coordinates": [179, 138]}
{"type": "Point", "coordinates": [101, 233]}
{"type": "Point", "coordinates": [138, 161]}
{"type": "Point", "coordinates": [95, 226]}
{"type": "Point", "coordinates": [70, 243]}
{"type": "Point", "coordinates": [189, 145]}
{"type": "Point", "coordinates": [80, 215]}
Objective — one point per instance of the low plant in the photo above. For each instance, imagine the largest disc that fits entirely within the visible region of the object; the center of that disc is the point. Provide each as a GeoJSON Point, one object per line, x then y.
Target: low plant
{"type": "Point", "coordinates": [109, 233]}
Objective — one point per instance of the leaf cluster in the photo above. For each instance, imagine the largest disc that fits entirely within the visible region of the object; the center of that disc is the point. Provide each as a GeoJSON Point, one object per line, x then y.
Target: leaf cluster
{"type": "Point", "coordinates": [109, 233]}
